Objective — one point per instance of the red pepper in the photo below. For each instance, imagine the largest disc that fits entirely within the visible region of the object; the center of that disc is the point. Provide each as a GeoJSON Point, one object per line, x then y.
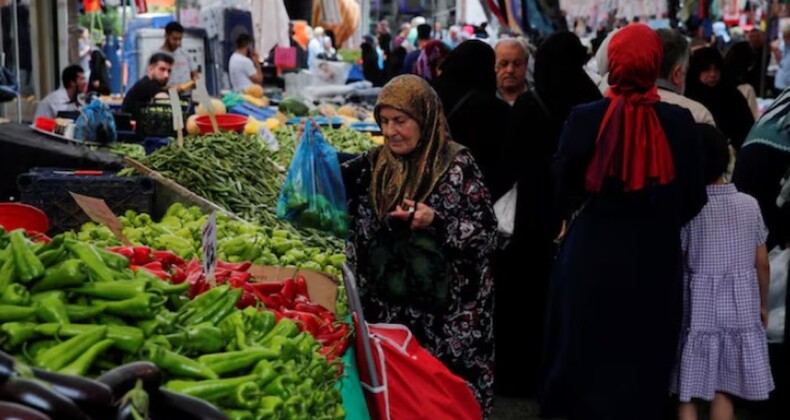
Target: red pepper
{"type": "Point", "coordinates": [194, 265]}
{"type": "Point", "coordinates": [277, 314]}
{"type": "Point", "coordinates": [142, 255]}
{"type": "Point", "coordinates": [178, 276]}
{"type": "Point", "coordinates": [126, 251]}
{"type": "Point", "coordinates": [289, 291]}
{"type": "Point", "coordinates": [312, 308]}
{"type": "Point", "coordinates": [270, 302]}
{"type": "Point", "coordinates": [310, 322]}
{"type": "Point", "coordinates": [221, 273]}
{"type": "Point", "coordinates": [268, 287]}
{"type": "Point", "coordinates": [241, 276]}
{"type": "Point", "coordinates": [301, 287]}
{"type": "Point", "coordinates": [242, 266]}
{"type": "Point", "coordinates": [338, 334]}
{"type": "Point", "coordinates": [168, 258]}
{"type": "Point", "coordinates": [247, 299]}
{"type": "Point", "coordinates": [155, 265]}
{"type": "Point", "coordinates": [159, 273]}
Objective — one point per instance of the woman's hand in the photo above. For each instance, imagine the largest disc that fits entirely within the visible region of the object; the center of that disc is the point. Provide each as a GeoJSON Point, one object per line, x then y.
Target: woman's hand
{"type": "Point", "coordinates": [419, 215]}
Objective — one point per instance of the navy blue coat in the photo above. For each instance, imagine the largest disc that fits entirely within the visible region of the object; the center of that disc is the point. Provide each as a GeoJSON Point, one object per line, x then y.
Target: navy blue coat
{"type": "Point", "coordinates": [614, 305]}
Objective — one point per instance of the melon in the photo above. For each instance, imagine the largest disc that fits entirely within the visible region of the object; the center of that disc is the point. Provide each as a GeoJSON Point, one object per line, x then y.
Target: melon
{"type": "Point", "coordinates": [256, 91]}
{"type": "Point", "coordinates": [192, 127]}
{"type": "Point", "coordinates": [219, 108]}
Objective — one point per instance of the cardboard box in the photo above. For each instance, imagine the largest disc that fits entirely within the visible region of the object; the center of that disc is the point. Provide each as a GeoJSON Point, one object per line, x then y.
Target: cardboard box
{"type": "Point", "coordinates": [321, 286]}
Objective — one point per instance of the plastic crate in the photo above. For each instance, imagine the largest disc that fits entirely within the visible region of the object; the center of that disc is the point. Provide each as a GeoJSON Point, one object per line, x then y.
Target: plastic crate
{"type": "Point", "coordinates": [48, 190]}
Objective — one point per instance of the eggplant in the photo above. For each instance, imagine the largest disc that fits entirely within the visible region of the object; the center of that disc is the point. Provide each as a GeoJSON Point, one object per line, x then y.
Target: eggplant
{"type": "Point", "coordinates": [124, 378]}
{"type": "Point", "coordinates": [91, 396]}
{"type": "Point", "coordinates": [35, 394]}
{"type": "Point", "coordinates": [169, 404]}
{"type": "Point", "coordinates": [9, 410]}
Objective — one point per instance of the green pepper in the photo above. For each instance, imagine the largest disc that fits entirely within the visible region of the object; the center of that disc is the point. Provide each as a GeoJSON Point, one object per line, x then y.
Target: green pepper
{"type": "Point", "coordinates": [245, 396]}
{"type": "Point", "coordinates": [210, 390]}
{"type": "Point", "coordinates": [54, 243]}
{"type": "Point", "coordinates": [202, 338]}
{"type": "Point", "coordinates": [142, 306]}
{"type": "Point", "coordinates": [165, 288]}
{"type": "Point", "coordinates": [15, 294]}
{"type": "Point", "coordinates": [50, 294]}
{"type": "Point", "coordinates": [234, 329]}
{"type": "Point", "coordinates": [259, 323]}
{"type": "Point", "coordinates": [66, 352]}
{"type": "Point", "coordinates": [116, 290]}
{"type": "Point", "coordinates": [52, 309]}
{"type": "Point", "coordinates": [83, 312]}
{"type": "Point", "coordinates": [15, 313]}
{"type": "Point", "coordinates": [175, 363]}
{"type": "Point", "coordinates": [97, 269]}
{"type": "Point", "coordinates": [7, 273]}
{"type": "Point", "coordinates": [200, 303]}
{"type": "Point", "coordinates": [337, 260]}
{"type": "Point", "coordinates": [126, 338]}
{"type": "Point", "coordinates": [149, 326]}
{"type": "Point", "coordinates": [113, 260]}
{"type": "Point", "coordinates": [297, 254]}
{"type": "Point", "coordinates": [233, 361]}
{"type": "Point", "coordinates": [281, 245]}
{"type": "Point", "coordinates": [17, 333]}
{"type": "Point", "coordinates": [83, 363]}
{"type": "Point", "coordinates": [218, 310]}
{"type": "Point", "coordinates": [311, 265]}
{"type": "Point", "coordinates": [52, 256]}
{"type": "Point", "coordinates": [239, 415]}
{"type": "Point", "coordinates": [285, 328]}
{"type": "Point", "coordinates": [33, 350]}
{"type": "Point", "coordinates": [28, 266]}
{"type": "Point", "coordinates": [67, 274]}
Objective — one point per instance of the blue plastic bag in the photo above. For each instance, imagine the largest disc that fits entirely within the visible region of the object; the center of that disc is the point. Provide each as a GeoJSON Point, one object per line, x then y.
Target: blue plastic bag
{"type": "Point", "coordinates": [313, 195]}
{"type": "Point", "coordinates": [96, 123]}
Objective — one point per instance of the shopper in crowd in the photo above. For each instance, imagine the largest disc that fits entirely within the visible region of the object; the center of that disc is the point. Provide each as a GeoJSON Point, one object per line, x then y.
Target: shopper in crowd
{"type": "Point", "coordinates": [244, 67]}
{"type": "Point", "coordinates": [723, 349]}
{"type": "Point", "coordinates": [756, 39]}
{"type": "Point", "coordinates": [512, 59]}
{"type": "Point", "coordinates": [467, 89]}
{"type": "Point", "coordinates": [84, 50]}
{"type": "Point", "coordinates": [431, 58]}
{"type": "Point", "coordinates": [370, 62]}
{"type": "Point", "coordinates": [538, 117]}
{"type": "Point", "coordinates": [602, 62]}
{"type": "Point", "coordinates": [423, 38]}
{"type": "Point", "coordinates": [762, 164]}
{"type": "Point", "coordinates": [65, 98]}
{"type": "Point", "coordinates": [401, 40]}
{"type": "Point", "coordinates": [782, 54]}
{"type": "Point", "coordinates": [672, 78]}
{"type": "Point", "coordinates": [146, 89]}
{"type": "Point", "coordinates": [738, 62]}
{"type": "Point", "coordinates": [451, 39]}
{"type": "Point", "coordinates": [183, 70]}
{"type": "Point", "coordinates": [420, 167]}
{"type": "Point", "coordinates": [394, 63]}
{"type": "Point", "coordinates": [315, 48]}
{"type": "Point", "coordinates": [721, 37]}
{"type": "Point", "coordinates": [99, 80]}
{"type": "Point", "coordinates": [725, 102]}
{"type": "Point", "coordinates": [628, 177]}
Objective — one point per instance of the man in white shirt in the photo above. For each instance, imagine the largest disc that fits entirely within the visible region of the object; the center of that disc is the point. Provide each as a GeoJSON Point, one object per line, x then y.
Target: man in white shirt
{"type": "Point", "coordinates": [244, 67]}
{"type": "Point", "coordinates": [183, 70]}
{"type": "Point", "coordinates": [315, 47]}
{"type": "Point", "coordinates": [73, 82]}
{"type": "Point", "coordinates": [672, 77]}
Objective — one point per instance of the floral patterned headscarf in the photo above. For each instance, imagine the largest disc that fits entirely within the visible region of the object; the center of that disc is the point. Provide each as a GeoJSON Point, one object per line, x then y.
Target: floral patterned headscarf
{"type": "Point", "coordinates": [431, 56]}
{"type": "Point", "coordinates": [413, 176]}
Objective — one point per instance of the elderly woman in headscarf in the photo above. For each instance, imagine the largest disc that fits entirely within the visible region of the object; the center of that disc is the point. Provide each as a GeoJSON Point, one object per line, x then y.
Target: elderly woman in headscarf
{"type": "Point", "coordinates": [538, 117]}
{"type": "Point", "coordinates": [628, 175]}
{"type": "Point", "coordinates": [467, 89]}
{"type": "Point", "coordinates": [421, 231]}
{"type": "Point", "coordinates": [706, 85]}
{"type": "Point", "coordinates": [431, 58]}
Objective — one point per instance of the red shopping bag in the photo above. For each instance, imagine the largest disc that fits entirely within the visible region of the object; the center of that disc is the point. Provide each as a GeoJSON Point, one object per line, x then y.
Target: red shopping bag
{"type": "Point", "coordinates": [285, 57]}
{"type": "Point", "coordinates": [413, 384]}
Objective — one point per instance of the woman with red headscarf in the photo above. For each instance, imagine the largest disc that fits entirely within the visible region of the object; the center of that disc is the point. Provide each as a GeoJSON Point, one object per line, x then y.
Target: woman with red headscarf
{"type": "Point", "coordinates": [628, 177]}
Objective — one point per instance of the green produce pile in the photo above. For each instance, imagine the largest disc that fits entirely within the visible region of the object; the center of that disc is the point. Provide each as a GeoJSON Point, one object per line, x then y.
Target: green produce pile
{"type": "Point", "coordinates": [180, 231]}
{"type": "Point", "coordinates": [133, 150]}
{"type": "Point", "coordinates": [344, 139]}
{"type": "Point", "coordinates": [73, 308]}
{"type": "Point", "coordinates": [293, 107]}
{"type": "Point", "coordinates": [229, 169]}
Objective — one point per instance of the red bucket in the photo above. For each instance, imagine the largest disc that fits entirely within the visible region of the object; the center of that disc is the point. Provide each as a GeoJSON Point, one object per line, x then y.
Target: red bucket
{"type": "Point", "coordinates": [15, 216]}
{"type": "Point", "coordinates": [225, 122]}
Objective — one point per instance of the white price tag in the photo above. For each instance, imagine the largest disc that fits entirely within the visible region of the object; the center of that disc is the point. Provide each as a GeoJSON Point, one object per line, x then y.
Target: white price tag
{"type": "Point", "coordinates": [210, 247]}
{"type": "Point", "coordinates": [175, 105]}
{"type": "Point", "coordinates": [269, 138]}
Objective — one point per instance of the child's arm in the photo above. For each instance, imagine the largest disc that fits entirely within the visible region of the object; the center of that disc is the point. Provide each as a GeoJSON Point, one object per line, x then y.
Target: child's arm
{"type": "Point", "coordinates": [763, 277]}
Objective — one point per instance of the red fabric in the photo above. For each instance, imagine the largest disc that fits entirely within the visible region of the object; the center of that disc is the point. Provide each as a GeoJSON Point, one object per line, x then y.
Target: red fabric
{"type": "Point", "coordinates": [631, 144]}
{"type": "Point", "coordinates": [413, 384]}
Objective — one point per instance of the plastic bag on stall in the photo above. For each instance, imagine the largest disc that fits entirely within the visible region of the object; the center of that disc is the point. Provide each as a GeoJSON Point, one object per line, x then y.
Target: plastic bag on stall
{"type": "Point", "coordinates": [779, 261]}
{"type": "Point", "coordinates": [313, 195]}
{"type": "Point", "coordinates": [96, 123]}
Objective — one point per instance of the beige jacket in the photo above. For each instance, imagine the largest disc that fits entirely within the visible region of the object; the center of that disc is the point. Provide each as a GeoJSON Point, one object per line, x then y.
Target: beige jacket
{"type": "Point", "coordinates": [698, 111]}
